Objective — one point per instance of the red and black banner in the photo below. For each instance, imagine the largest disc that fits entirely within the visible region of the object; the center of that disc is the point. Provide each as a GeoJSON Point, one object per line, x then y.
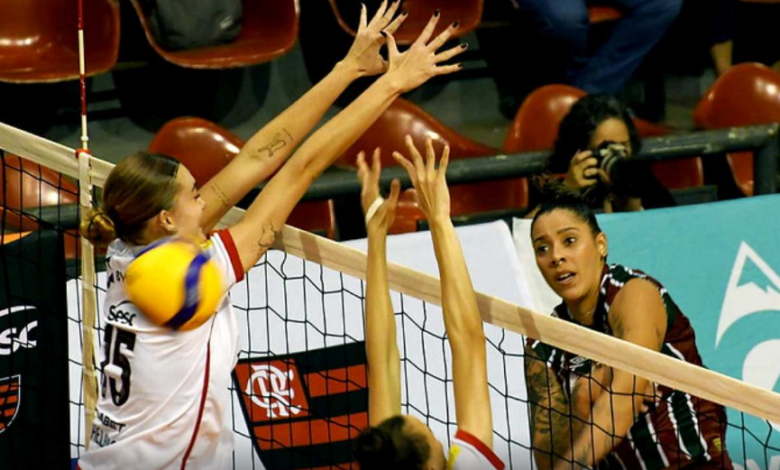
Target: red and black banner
{"type": "Point", "coordinates": [9, 401]}
{"type": "Point", "coordinates": [34, 405]}
{"type": "Point", "coordinates": [304, 409]}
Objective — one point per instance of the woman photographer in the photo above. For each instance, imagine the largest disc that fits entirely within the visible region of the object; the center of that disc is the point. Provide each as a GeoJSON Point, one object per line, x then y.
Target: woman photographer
{"type": "Point", "coordinates": [595, 142]}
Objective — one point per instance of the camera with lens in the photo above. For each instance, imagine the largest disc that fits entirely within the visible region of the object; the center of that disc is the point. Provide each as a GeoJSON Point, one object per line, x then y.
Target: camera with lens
{"type": "Point", "coordinates": [613, 158]}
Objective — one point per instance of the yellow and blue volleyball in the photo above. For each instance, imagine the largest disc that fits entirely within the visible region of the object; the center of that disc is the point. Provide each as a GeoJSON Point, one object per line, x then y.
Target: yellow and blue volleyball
{"type": "Point", "coordinates": [174, 284]}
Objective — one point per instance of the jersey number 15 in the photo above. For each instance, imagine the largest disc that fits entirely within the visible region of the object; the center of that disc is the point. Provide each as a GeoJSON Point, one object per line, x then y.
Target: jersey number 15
{"type": "Point", "coordinates": [118, 347]}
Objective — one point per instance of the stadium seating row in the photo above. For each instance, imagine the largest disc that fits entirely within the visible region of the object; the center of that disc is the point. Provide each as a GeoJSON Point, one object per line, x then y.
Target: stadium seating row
{"type": "Point", "coordinates": [747, 94]}
{"type": "Point", "coordinates": [38, 44]}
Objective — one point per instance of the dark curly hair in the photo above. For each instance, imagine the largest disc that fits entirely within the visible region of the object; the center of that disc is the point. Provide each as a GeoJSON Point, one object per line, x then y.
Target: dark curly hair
{"type": "Point", "coordinates": [557, 197]}
{"type": "Point", "coordinates": [388, 446]}
{"type": "Point", "coordinates": [578, 126]}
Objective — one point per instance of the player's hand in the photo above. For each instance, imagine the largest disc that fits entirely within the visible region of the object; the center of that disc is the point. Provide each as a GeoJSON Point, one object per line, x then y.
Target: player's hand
{"type": "Point", "coordinates": [364, 54]}
{"type": "Point", "coordinates": [383, 215]}
{"type": "Point", "coordinates": [433, 196]}
{"type": "Point", "coordinates": [420, 62]}
{"type": "Point", "coordinates": [583, 171]}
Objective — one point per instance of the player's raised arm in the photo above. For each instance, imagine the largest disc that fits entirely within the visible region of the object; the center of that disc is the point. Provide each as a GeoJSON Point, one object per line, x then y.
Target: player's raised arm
{"type": "Point", "coordinates": [459, 302]}
{"type": "Point", "coordinates": [256, 232]}
{"type": "Point", "coordinates": [384, 363]}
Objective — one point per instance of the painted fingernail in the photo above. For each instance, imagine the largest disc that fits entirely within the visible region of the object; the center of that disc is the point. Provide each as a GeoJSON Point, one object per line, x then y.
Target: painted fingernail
{"type": "Point", "coordinates": [437, 13]}
{"type": "Point", "coordinates": [464, 46]}
{"type": "Point", "coordinates": [460, 66]}
{"type": "Point", "coordinates": [456, 24]}
{"type": "Point", "coordinates": [404, 13]}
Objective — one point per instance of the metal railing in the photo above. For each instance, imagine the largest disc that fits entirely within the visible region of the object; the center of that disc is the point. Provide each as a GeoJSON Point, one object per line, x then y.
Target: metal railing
{"type": "Point", "coordinates": [763, 140]}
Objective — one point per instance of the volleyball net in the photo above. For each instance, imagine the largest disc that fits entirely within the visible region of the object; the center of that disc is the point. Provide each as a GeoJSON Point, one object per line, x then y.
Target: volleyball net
{"type": "Point", "coordinates": [299, 391]}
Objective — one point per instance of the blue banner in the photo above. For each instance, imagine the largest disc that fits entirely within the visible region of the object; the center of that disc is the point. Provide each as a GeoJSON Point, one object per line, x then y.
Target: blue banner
{"type": "Point", "coordinates": [720, 262]}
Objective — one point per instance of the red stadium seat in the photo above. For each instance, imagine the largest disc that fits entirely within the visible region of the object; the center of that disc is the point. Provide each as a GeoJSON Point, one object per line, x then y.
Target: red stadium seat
{"type": "Point", "coordinates": [26, 185]}
{"type": "Point", "coordinates": [603, 14]}
{"type": "Point", "coordinates": [404, 118]}
{"type": "Point", "coordinates": [205, 148]}
{"type": "Point", "coordinates": [747, 94]}
{"type": "Point", "coordinates": [468, 12]}
{"type": "Point", "coordinates": [39, 39]}
{"type": "Point", "coordinates": [535, 127]}
{"type": "Point", "coordinates": [269, 30]}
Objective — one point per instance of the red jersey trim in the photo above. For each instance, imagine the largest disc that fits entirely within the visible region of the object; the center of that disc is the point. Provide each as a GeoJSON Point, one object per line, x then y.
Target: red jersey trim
{"type": "Point", "coordinates": [235, 259]}
{"type": "Point", "coordinates": [486, 451]}
{"type": "Point", "coordinates": [202, 407]}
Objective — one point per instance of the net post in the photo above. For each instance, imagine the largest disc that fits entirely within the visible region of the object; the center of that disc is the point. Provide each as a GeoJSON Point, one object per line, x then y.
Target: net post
{"type": "Point", "coordinates": [89, 298]}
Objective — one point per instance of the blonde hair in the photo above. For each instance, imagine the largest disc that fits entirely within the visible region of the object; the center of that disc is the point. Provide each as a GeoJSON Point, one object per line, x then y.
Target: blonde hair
{"type": "Point", "coordinates": [136, 190]}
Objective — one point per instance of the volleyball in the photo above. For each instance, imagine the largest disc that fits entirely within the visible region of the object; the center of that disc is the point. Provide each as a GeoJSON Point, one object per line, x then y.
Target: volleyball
{"type": "Point", "coordinates": [175, 284]}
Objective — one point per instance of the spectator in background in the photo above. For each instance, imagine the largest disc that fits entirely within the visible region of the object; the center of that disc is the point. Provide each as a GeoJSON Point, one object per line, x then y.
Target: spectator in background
{"type": "Point", "coordinates": [610, 68]}
{"type": "Point", "coordinates": [592, 121]}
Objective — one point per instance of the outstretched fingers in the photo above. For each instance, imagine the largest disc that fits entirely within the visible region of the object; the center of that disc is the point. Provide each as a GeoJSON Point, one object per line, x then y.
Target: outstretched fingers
{"type": "Point", "coordinates": [376, 165]}
{"type": "Point", "coordinates": [443, 37]}
{"type": "Point", "coordinates": [396, 23]}
{"type": "Point", "coordinates": [430, 158]}
{"type": "Point", "coordinates": [379, 16]}
{"type": "Point", "coordinates": [450, 53]}
{"type": "Point", "coordinates": [363, 17]}
{"type": "Point", "coordinates": [407, 165]}
{"type": "Point", "coordinates": [425, 36]}
{"type": "Point", "coordinates": [390, 13]}
{"type": "Point", "coordinates": [444, 162]}
{"type": "Point", "coordinates": [417, 159]}
{"type": "Point", "coordinates": [395, 191]}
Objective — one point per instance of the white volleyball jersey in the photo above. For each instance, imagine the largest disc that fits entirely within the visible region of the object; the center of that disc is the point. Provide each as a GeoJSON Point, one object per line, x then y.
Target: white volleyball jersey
{"type": "Point", "coordinates": [163, 395]}
{"type": "Point", "coordinates": [469, 453]}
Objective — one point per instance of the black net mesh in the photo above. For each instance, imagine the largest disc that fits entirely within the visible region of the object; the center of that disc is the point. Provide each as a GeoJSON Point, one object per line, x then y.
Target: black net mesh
{"type": "Point", "coordinates": [299, 390]}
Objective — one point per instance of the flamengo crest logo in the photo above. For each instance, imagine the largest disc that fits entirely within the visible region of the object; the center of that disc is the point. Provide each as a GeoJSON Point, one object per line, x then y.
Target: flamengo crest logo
{"type": "Point", "coordinates": [747, 298]}
{"type": "Point", "coordinates": [10, 397]}
{"type": "Point", "coordinates": [274, 389]}
{"type": "Point", "coordinates": [275, 392]}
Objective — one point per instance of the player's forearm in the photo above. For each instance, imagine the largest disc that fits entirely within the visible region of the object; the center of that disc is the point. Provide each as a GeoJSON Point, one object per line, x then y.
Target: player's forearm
{"type": "Point", "coordinates": [269, 148]}
{"type": "Point", "coordinates": [381, 346]}
{"type": "Point", "coordinates": [612, 416]}
{"type": "Point", "coordinates": [275, 142]}
{"type": "Point", "coordinates": [461, 313]}
{"type": "Point", "coordinates": [551, 421]}
{"type": "Point", "coordinates": [338, 134]}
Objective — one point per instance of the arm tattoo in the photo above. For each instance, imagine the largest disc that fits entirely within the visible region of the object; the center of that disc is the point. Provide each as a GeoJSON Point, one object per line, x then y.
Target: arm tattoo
{"type": "Point", "coordinates": [553, 427]}
{"type": "Point", "coordinates": [280, 141]}
{"type": "Point", "coordinates": [267, 239]}
{"type": "Point", "coordinates": [221, 195]}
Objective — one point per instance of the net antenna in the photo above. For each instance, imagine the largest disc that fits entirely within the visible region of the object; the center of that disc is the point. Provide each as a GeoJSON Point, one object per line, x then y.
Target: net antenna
{"type": "Point", "coordinates": [89, 292]}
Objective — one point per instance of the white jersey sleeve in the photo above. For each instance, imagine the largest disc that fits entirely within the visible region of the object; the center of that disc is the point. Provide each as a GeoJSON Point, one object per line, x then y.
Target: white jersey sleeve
{"type": "Point", "coordinates": [222, 250]}
{"type": "Point", "coordinates": [469, 453]}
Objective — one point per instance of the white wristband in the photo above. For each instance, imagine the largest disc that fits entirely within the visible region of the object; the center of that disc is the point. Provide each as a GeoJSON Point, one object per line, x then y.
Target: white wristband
{"type": "Point", "coordinates": [374, 207]}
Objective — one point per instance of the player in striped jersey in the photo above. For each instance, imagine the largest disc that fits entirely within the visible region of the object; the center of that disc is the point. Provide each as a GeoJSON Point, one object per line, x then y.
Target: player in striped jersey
{"type": "Point", "coordinates": [164, 395]}
{"type": "Point", "coordinates": [635, 425]}
{"type": "Point", "coordinates": [395, 441]}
